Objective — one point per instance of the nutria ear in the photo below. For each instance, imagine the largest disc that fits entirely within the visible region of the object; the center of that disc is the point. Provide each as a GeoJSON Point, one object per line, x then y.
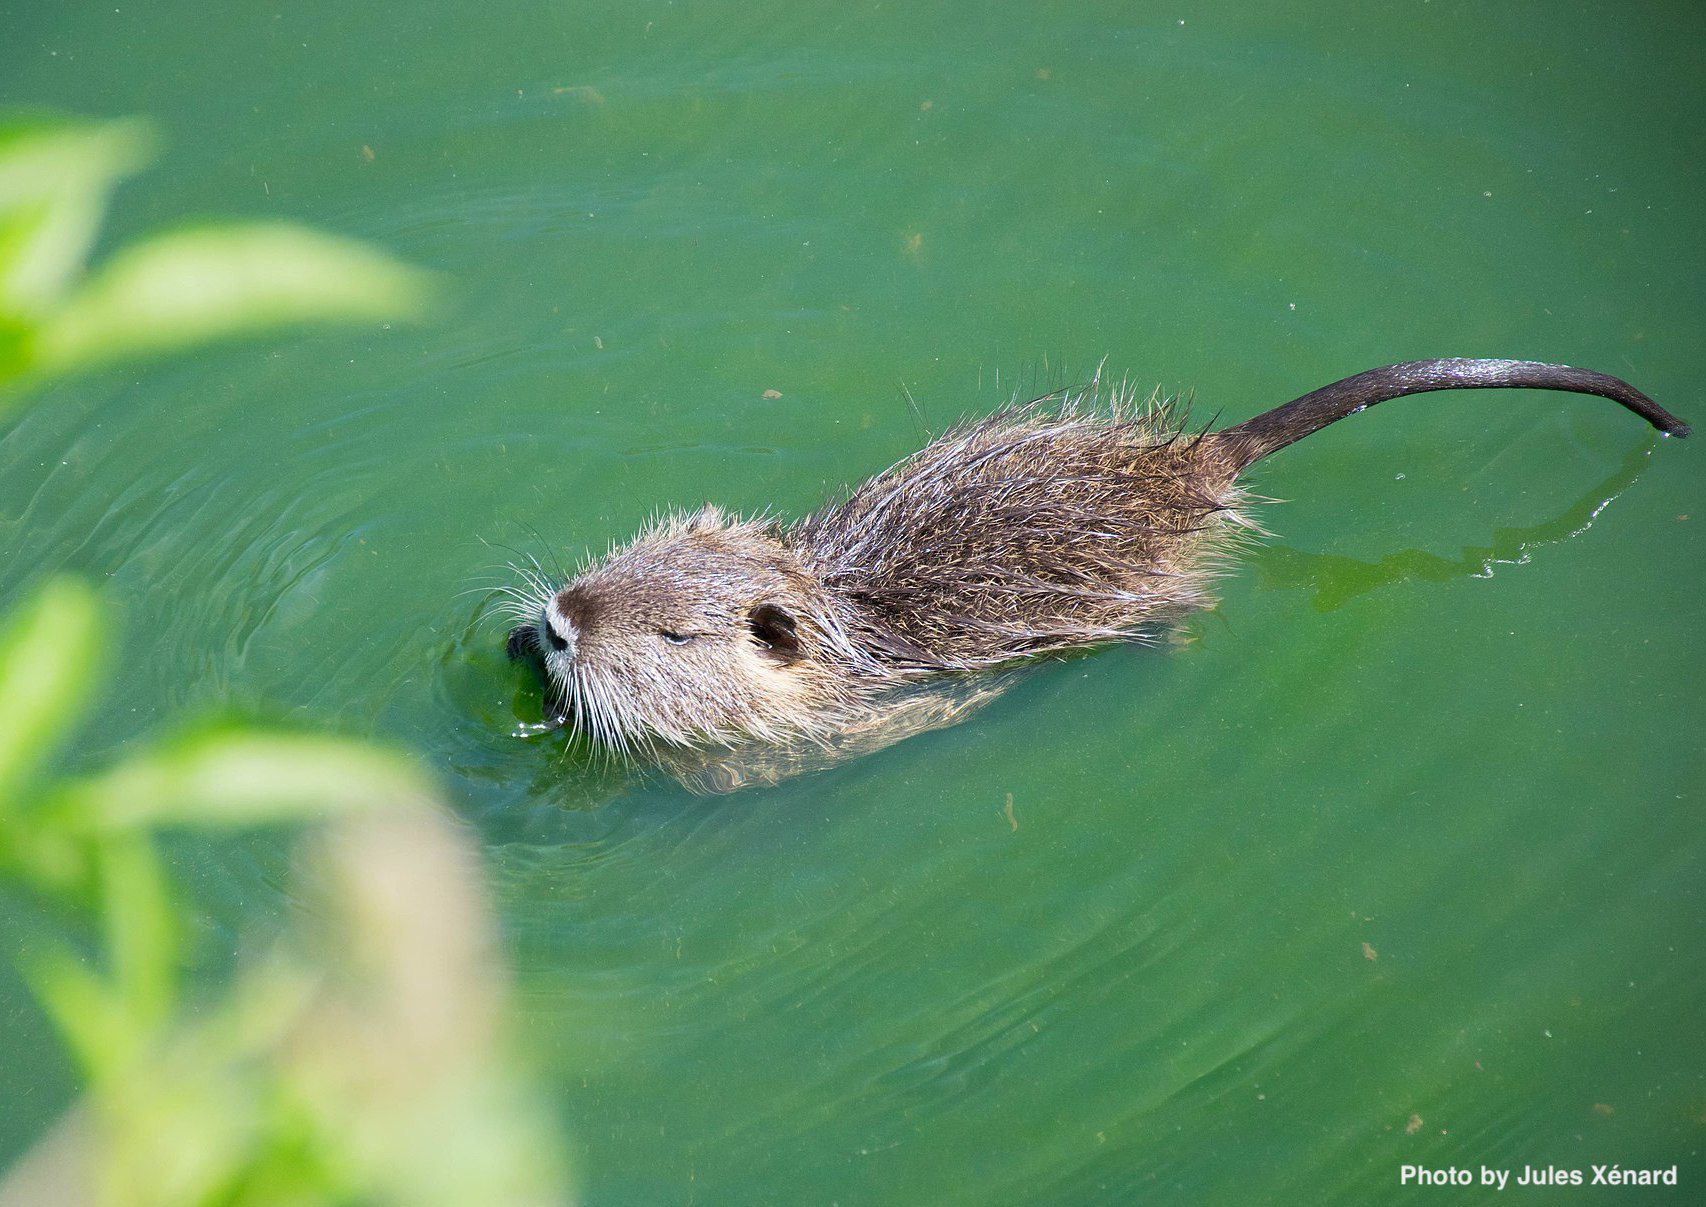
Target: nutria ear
{"type": "Point", "coordinates": [777, 631]}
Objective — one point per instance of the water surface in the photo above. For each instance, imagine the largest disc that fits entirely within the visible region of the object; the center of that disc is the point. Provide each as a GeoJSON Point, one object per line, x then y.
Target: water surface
{"type": "Point", "coordinates": [1398, 858]}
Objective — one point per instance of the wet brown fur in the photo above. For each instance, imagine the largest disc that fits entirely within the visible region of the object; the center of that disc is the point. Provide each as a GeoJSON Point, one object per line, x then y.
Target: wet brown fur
{"type": "Point", "coordinates": [1050, 526]}
{"type": "Point", "coordinates": [1042, 528]}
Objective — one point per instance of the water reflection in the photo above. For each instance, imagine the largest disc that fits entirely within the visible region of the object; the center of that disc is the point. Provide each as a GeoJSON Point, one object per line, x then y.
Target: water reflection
{"type": "Point", "coordinates": [1336, 580]}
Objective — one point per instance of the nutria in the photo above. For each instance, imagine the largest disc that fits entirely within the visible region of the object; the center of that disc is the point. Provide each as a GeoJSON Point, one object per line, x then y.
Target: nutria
{"type": "Point", "coordinates": [1050, 526]}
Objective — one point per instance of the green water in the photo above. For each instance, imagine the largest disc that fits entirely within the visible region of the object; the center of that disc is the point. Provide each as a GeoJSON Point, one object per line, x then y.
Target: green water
{"type": "Point", "coordinates": [1400, 859]}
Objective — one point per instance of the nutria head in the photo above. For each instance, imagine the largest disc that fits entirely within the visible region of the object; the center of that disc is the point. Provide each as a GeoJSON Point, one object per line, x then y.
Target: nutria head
{"type": "Point", "coordinates": [704, 628]}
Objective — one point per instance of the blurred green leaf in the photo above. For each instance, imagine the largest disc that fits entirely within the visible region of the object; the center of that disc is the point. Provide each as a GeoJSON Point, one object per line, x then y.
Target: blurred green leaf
{"type": "Point", "coordinates": [241, 778]}
{"type": "Point", "coordinates": [55, 179]}
{"type": "Point", "coordinates": [141, 928]}
{"type": "Point", "coordinates": [48, 650]}
{"type": "Point", "coordinates": [15, 337]}
{"type": "Point", "coordinates": [377, 1074]}
{"type": "Point", "coordinates": [181, 1130]}
{"type": "Point", "coordinates": [405, 1063]}
{"type": "Point", "coordinates": [192, 286]}
{"type": "Point", "coordinates": [96, 1026]}
{"type": "Point", "coordinates": [50, 860]}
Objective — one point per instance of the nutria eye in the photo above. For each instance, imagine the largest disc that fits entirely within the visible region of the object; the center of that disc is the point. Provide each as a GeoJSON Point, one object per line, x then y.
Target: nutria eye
{"type": "Point", "coordinates": [675, 638]}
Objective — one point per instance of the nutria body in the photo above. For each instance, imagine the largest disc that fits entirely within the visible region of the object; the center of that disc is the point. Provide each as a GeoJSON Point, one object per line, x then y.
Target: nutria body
{"type": "Point", "coordinates": [1050, 526]}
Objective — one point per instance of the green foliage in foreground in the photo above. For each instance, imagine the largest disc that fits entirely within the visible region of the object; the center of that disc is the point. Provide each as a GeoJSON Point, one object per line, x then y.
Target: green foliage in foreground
{"type": "Point", "coordinates": [358, 1059]}
{"type": "Point", "coordinates": [163, 293]}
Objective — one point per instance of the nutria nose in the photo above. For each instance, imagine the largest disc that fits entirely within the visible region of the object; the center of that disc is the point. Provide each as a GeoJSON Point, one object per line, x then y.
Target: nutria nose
{"type": "Point", "coordinates": [552, 637]}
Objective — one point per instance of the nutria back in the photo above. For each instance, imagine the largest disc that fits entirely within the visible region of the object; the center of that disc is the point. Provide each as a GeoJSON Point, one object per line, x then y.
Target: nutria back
{"type": "Point", "coordinates": [1045, 527]}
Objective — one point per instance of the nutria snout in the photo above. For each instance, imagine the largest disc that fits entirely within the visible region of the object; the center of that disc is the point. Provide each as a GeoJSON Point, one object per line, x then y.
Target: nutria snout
{"type": "Point", "coordinates": [1050, 526]}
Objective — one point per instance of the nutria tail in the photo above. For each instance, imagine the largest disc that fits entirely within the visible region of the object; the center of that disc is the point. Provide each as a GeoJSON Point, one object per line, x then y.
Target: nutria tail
{"type": "Point", "coordinates": [1273, 430]}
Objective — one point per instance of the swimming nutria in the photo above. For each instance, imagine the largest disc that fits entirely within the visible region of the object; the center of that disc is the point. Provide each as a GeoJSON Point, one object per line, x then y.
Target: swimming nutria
{"type": "Point", "coordinates": [1049, 526]}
